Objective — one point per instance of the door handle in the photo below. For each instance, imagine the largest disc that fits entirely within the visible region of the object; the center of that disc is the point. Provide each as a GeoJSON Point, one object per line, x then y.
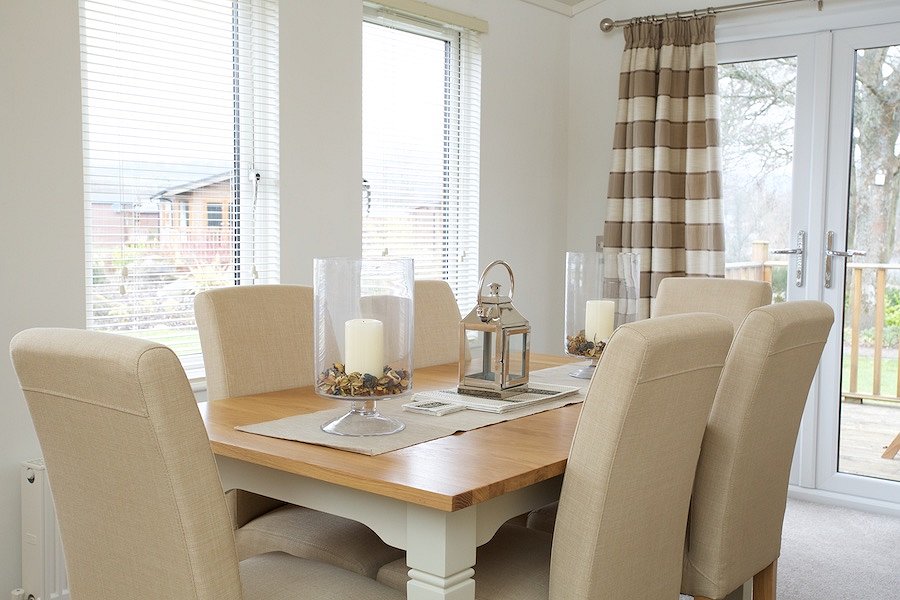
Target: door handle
{"type": "Point", "coordinates": [800, 252]}
{"type": "Point", "coordinates": [830, 253]}
{"type": "Point", "coordinates": [847, 253]}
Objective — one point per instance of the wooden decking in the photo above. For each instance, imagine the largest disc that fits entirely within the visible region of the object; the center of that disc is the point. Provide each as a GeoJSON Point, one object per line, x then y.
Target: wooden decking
{"type": "Point", "coordinates": [866, 430]}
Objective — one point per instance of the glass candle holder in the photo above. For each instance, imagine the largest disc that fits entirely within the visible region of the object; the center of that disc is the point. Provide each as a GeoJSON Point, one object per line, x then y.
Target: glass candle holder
{"type": "Point", "coordinates": [602, 290]}
{"type": "Point", "coordinates": [363, 338]}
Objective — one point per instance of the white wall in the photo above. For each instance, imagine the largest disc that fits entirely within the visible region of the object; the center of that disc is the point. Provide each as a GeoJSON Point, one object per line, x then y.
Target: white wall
{"type": "Point", "coordinates": [523, 156]}
{"type": "Point", "coordinates": [321, 133]}
{"type": "Point", "coordinates": [41, 247]}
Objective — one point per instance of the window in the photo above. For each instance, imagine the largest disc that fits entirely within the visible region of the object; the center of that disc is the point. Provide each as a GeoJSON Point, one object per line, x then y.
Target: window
{"type": "Point", "coordinates": [421, 130]}
{"type": "Point", "coordinates": [213, 215]}
{"type": "Point", "coordinates": [180, 122]}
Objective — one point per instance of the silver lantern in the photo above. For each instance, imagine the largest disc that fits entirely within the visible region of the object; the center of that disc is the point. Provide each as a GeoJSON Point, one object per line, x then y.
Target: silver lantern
{"type": "Point", "coordinates": [503, 333]}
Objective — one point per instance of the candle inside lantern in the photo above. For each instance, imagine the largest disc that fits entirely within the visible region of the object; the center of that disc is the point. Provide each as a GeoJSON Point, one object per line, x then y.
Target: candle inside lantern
{"type": "Point", "coordinates": [363, 346]}
{"type": "Point", "coordinates": [599, 319]}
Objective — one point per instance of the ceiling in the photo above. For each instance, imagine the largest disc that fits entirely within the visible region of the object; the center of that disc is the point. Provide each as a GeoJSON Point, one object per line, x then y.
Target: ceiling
{"type": "Point", "coordinates": [566, 7]}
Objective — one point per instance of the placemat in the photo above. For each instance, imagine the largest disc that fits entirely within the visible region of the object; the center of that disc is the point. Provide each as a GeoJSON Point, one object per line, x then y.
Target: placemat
{"type": "Point", "coordinates": [419, 428]}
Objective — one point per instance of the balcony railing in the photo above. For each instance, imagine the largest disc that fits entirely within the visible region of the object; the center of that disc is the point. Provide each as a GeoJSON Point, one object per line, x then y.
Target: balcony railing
{"type": "Point", "coordinates": [758, 268]}
{"type": "Point", "coordinates": [867, 340]}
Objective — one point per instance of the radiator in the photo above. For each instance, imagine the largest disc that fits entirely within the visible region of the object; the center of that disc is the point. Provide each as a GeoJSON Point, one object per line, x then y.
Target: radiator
{"type": "Point", "coordinates": [43, 564]}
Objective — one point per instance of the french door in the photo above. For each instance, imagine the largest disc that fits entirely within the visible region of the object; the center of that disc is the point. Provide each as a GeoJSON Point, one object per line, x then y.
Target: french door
{"type": "Point", "coordinates": [860, 402]}
{"type": "Point", "coordinates": [807, 170]}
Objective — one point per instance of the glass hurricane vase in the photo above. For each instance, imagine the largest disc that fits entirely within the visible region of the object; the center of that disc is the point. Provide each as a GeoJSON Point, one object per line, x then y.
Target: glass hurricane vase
{"type": "Point", "coordinates": [602, 289]}
{"type": "Point", "coordinates": [363, 338]}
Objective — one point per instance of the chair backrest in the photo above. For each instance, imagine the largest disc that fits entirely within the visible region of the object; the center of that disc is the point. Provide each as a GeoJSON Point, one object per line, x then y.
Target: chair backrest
{"type": "Point", "coordinates": [731, 298]}
{"type": "Point", "coordinates": [437, 318]}
{"type": "Point", "coordinates": [740, 491]}
{"type": "Point", "coordinates": [623, 509]}
{"type": "Point", "coordinates": [259, 338]}
{"type": "Point", "coordinates": [256, 339]}
{"type": "Point", "coordinates": [137, 494]}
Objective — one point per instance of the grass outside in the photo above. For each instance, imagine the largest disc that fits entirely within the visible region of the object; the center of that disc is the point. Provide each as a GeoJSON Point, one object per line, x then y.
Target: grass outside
{"type": "Point", "coordinates": [865, 375]}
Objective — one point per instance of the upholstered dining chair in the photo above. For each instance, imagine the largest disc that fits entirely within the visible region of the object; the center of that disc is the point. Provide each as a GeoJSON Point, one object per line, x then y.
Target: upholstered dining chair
{"type": "Point", "coordinates": [437, 317]}
{"type": "Point", "coordinates": [740, 492]}
{"type": "Point", "coordinates": [624, 502]}
{"type": "Point", "coordinates": [140, 507]}
{"type": "Point", "coordinates": [731, 298]}
{"type": "Point", "coordinates": [258, 339]}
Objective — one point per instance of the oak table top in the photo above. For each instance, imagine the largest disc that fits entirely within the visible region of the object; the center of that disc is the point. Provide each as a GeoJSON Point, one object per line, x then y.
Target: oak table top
{"type": "Point", "coordinates": [447, 474]}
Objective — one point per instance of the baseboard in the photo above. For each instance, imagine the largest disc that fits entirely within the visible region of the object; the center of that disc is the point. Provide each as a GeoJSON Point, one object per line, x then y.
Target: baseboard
{"type": "Point", "coordinates": [834, 499]}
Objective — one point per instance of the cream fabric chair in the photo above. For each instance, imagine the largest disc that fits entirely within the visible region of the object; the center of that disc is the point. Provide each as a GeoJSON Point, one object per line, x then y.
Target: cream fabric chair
{"type": "Point", "coordinates": [437, 318]}
{"type": "Point", "coordinates": [731, 298]}
{"type": "Point", "coordinates": [258, 339]}
{"type": "Point", "coordinates": [624, 502]}
{"type": "Point", "coordinates": [137, 494]}
{"type": "Point", "coordinates": [739, 496]}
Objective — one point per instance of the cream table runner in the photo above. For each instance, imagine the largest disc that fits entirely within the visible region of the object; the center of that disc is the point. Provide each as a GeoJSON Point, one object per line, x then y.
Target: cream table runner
{"type": "Point", "coordinates": [419, 428]}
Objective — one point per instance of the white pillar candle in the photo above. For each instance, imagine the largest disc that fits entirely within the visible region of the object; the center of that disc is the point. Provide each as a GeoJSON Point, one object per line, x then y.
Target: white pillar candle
{"type": "Point", "coordinates": [599, 319]}
{"type": "Point", "coordinates": [363, 346]}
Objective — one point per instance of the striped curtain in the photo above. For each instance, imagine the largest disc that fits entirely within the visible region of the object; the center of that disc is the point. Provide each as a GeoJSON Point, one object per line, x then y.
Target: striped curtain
{"type": "Point", "coordinates": [665, 193]}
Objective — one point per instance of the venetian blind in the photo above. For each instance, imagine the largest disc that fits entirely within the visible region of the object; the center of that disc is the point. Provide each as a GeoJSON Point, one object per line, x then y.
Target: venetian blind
{"type": "Point", "coordinates": [421, 138]}
{"type": "Point", "coordinates": [180, 130]}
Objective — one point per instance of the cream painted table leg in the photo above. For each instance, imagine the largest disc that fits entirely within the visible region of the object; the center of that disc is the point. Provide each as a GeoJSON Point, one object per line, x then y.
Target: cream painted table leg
{"type": "Point", "coordinates": [440, 546]}
{"type": "Point", "coordinates": [440, 554]}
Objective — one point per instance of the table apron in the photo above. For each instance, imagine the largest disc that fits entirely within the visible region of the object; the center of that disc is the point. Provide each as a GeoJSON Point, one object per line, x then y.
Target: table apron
{"type": "Point", "coordinates": [390, 518]}
{"type": "Point", "coordinates": [386, 516]}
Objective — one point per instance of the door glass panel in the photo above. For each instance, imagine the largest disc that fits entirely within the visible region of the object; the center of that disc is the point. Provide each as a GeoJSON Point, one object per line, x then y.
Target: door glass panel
{"type": "Point", "coordinates": [870, 410]}
{"type": "Point", "coordinates": [758, 105]}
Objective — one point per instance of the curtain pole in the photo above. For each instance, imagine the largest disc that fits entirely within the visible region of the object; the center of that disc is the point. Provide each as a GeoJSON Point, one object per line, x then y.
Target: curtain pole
{"type": "Point", "coordinates": [609, 24]}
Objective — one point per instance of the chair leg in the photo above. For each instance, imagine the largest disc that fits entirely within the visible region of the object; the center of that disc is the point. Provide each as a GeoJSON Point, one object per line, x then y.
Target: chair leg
{"type": "Point", "coordinates": [764, 583]}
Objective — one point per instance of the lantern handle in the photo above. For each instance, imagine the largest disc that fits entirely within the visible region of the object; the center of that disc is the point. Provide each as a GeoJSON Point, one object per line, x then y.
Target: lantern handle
{"type": "Point", "coordinates": [512, 280]}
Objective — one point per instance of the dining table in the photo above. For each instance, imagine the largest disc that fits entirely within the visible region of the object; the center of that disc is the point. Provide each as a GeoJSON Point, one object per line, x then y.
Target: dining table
{"type": "Point", "coordinates": [438, 500]}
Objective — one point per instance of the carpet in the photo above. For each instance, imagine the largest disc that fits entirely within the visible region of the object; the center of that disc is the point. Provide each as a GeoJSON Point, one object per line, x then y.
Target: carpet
{"type": "Point", "coordinates": [835, 553]}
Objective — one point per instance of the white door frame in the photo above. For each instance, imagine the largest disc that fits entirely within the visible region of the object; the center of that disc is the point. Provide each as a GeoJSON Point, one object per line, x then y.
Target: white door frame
{"type": "Point", "coordinates": [820, 203]}
{"type": "Point", "coordinates": [844, 46]}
